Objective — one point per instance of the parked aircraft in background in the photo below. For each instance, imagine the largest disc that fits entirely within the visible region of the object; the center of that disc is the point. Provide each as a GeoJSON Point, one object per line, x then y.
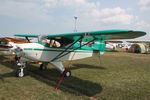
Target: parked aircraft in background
{"type": "Point", "coordinates": [9, 44]}
{"type": "Point", "coordinates": [111, 46]}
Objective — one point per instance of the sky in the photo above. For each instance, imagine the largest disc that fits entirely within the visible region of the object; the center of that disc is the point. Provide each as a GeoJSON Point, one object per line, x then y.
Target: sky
{"type": "Point", "coordinates": [57, 16]}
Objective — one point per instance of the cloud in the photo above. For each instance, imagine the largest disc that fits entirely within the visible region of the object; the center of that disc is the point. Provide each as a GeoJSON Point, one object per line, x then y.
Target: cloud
{"type": "Point", "coordinates": [50, 3]}
{"type": "Point", "coordinates": [61, 12]}
{"type": "Point", "coordinates": [142, 25]}
{"type": "Point", "coordinates": [70, 3]}
{"type": "Point", "coordinates": [23, 9]}
{"type": "Point", "coordinates": [91, 10]}
{"type": "Point", "coordinates": [124, 19]}
{"type": "Point", "coordinates": [44, 9]}
{"type": "Point", "coordinates": [112, 11]}
{"type": "Point", "coordinates": [48, 9]}
{"type": "Point", "coordinates": [77, 6]}
{"type": "Point", "coordinates": [112, 15]}
{"type": "Point", "coordinates": [145, 4]}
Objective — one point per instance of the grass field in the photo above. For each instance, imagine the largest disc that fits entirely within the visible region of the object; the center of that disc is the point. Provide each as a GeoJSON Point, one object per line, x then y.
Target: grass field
{"type": "Point", "coordinates": [125, 76]}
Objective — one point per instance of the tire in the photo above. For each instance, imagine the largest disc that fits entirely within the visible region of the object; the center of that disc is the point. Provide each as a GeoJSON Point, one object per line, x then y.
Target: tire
{"type": "Point", "coordinates": [68, 73]}
{"type": "Point", "coordinates": [19, 73]}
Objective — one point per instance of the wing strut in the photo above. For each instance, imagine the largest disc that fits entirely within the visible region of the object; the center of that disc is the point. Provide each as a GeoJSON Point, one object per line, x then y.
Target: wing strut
{"type": "Point", "coordinates": [62, 54]}
{"type": "Point", "coordinates": [27, 39]}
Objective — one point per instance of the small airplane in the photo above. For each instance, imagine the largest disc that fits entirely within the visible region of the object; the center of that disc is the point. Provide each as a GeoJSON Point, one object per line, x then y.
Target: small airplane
{"type": "Point", "coordinates": [56, 48]}
{"type": "Point", "coordinates": [8, 44]}
{"type": "Point", "coordinates": [111, 46]}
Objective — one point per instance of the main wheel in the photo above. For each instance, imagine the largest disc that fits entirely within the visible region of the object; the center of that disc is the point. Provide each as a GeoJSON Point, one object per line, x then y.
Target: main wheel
{"type": "Point", "coordinates": [67, 73]}
{"type": "Point", "coordinates": [19, 72]}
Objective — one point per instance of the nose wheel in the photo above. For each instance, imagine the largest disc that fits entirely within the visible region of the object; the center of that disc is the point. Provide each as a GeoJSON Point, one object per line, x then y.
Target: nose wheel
{"type": "Point", "coordinates": [20, 72]}
{"type": "Point", "coordinates": [20, 69]}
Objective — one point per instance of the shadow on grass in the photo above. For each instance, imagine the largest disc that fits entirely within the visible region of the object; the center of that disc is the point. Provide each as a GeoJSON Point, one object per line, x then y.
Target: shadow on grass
{"type": "Point", "coordinates": [2, 76]}
{"type": "Point", "coordinates": [78, 66]}
{"type": "Point", "coordinates": [51, 77]}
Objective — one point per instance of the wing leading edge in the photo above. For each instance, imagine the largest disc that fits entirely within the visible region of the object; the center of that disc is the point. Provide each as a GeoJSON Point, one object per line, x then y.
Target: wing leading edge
{"type": "Point", "coordinates": [105, 34]}
{"type": "Point", "coordinates": [26, 35]}
{"type": "Point", "coordinates": [109, 34]}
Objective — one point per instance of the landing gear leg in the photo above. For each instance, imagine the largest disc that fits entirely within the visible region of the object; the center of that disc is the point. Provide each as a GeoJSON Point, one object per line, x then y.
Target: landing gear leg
{"type": "Point", "coordinates": [43, 66]}
{"type": "Point", "coordinates": [61, 68]}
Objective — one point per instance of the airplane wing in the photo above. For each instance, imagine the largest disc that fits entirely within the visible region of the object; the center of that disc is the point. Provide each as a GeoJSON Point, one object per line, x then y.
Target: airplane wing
{"type": "Point", "coordinates": [27, 35]}
{"type": "Point", "coordinates": [111, 34]}
{"type": "Point", "coordinates": [87, 36]}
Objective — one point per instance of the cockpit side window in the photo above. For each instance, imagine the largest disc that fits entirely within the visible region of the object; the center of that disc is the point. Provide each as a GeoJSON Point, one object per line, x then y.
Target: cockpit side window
{"type": "Point", "coordinates": [54, 43]}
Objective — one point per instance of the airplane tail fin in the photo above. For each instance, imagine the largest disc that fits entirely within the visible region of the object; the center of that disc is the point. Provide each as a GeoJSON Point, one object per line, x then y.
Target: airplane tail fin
{"type": "Point", "coordinates": [99, 45]}
{"type": "Point", "coordinates": [95, 46]}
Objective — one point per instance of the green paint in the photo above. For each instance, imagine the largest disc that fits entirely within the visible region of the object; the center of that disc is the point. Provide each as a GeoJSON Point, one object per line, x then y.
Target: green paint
{"type": "Point", "coordinates": [35, 49]}
{"type": "Point", "coordinates": [27, 35]}
{"type": "Point", "coordinates": [104, 34]}
{"type": "Point", "coordinates": [97, 45]}
{"type": "Point", "coordinates": [107, 34]}
{"type": "Point", "coordinates": [28, 49]}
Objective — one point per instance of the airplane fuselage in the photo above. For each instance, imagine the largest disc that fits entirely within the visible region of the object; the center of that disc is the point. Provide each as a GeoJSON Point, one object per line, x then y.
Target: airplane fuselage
{"type": "Point", "coordinates": [38, 52]}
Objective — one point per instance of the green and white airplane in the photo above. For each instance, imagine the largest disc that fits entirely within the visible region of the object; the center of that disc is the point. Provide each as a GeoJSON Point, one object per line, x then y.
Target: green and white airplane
{"type": "Point", "coordinates": [57, 48]}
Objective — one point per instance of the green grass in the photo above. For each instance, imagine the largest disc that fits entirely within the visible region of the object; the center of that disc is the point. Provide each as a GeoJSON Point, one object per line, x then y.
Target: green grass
{"type": "Point", "coordinates": [125, 76]}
